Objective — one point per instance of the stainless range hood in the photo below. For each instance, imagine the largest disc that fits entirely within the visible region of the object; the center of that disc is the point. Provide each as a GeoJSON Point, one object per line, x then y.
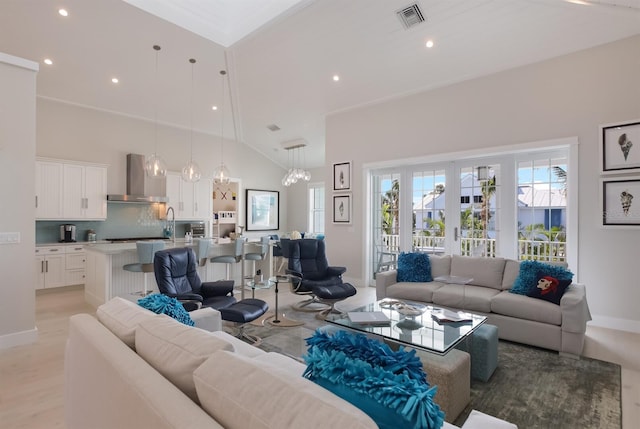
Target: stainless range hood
{"type": "Point", "coordinates": [140, 187]}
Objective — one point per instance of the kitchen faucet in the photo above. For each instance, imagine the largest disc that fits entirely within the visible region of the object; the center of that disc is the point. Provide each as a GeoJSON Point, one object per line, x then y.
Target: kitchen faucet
{"type": "Point", "coordinates": [173, 222]}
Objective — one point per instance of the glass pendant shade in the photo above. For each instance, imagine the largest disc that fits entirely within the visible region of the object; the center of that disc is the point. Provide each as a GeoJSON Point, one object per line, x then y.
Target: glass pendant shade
{"type": "Point", "coordinates": [155, 166]}
{"type": "Point", "coordinates": [191, 172]}
{"type": "Point", "coordinates": [221, 174]}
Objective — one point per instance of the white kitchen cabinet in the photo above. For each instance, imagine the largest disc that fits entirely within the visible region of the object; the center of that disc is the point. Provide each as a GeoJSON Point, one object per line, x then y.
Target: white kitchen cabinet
{"type": "Point", "coordinates": [70, 190]}
{"type": "Point", "coordinates": [58, 266]}
{"type": "Point", "coordinates": [48, 190]}
{"type": "Point", "coordinates": [84, 192]}
{"type": "Point", "coordinates": [190, 201]}
{"type": "Point", "coordinates": [50, 267]}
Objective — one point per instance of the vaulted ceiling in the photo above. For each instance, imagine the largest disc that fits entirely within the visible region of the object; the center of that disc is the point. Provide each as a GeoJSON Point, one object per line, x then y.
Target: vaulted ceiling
{"type": "Point", "coordinates": [282, 55]}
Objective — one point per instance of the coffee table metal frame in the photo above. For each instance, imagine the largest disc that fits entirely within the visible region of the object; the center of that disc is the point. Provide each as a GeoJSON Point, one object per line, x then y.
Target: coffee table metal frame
{"type": "Point", "coordinates": [422, 332]}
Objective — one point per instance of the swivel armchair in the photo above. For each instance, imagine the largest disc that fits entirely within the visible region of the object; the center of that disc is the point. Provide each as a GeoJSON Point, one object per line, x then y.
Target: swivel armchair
{"type": "Point", "coordinates": [312, 275]}
{"type": "Point", "coordinates": [177, 276]}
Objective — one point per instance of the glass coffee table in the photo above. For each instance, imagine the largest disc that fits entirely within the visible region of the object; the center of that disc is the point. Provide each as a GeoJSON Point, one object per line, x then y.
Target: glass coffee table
{"type": "Point", "coordinates": [414, 324]}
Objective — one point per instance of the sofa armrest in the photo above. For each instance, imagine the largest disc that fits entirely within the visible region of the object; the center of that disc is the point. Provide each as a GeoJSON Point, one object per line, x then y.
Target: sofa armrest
{"type": "Point", "coordinates": [207, 318]}
{"type": "Point", "coordinates": [384, 279]}
{"type": "Point", "coordinates": [574, 308]}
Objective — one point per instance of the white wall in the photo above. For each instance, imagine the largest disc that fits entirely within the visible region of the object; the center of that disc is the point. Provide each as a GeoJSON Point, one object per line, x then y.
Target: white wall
{"type": "Point", "coordinates": [72, 132]}
{"type": "Point", "coordinates": [567, 96]}
{"type": "Point", "coordinates": [17, 193]}
{"type": "Point", "coordinates": [298, 194]}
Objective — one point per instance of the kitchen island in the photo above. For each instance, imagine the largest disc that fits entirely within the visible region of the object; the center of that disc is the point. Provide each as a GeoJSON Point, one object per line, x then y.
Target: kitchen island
{"type": "Point", "coordinates": [105, 277]}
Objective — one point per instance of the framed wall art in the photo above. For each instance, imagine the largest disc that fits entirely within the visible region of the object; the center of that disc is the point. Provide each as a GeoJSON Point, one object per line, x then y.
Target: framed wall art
{"type": "Point", "coordinates": [342, 176]}
{"type": "Point", "coordinates": [263, 210]}
{"type": "Point", "coordinates": [621, 201]}
{"type": "Point", "coordinates": [342, 209]}
{"type": "Point", "coordinates": [620, 147]}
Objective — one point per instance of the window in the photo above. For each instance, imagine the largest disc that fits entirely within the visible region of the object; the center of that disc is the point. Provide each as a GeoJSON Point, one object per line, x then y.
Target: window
{"type": "Point", "coordinates": [316, 208]}
{"type": "Point", "coordinates": [518, 208]}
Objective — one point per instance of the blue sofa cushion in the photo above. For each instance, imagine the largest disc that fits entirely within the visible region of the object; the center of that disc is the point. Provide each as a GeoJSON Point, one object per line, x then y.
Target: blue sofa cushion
{"type": "Point", "coordinates": [531, 272]}
{"type": "Point", "coordinates": [414, 267]}
{"type": "Point", "coordinates": [163, 304]}
{"type": "Point", "coordinates": [389, 386]}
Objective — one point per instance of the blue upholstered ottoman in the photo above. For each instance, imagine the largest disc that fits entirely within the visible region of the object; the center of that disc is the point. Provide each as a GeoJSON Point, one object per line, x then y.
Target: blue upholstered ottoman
{"type": "Point", "coordinates": [483, 348]}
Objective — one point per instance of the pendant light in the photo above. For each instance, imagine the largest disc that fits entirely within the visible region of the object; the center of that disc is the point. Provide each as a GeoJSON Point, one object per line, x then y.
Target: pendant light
{"type": "Point", "coordinates": [154, 165]}
{"type": "Point", "coordinates": [191, 171]}
{"type": "Point", "coordinates": [221, 173]}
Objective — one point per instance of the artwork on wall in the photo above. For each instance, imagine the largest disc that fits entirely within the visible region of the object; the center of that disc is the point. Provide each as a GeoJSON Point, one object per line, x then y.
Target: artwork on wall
{"type": "Point", "coordinates": [342, 176]}
{"type": "Point", "coordinates": [620, 147]}
{"type": "Point", "coordinates": [263, 210]}
{"type": "Point", "coordinates": [621, 201]}
{"type": "Point", "coordinates": [342, 209]}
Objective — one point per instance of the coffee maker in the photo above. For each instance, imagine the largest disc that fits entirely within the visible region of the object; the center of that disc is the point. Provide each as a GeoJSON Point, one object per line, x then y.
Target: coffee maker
{"type": "Point", "coordinates": [67, 233]}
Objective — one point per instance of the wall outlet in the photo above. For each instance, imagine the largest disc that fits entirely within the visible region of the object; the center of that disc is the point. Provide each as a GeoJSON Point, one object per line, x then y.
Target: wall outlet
{"type": "Point", "coordinates": [9, 237]}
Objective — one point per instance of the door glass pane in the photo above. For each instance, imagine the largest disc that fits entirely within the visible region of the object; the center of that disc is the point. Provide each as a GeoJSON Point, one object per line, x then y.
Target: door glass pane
{"type": "Point", "coordinates": [542, 209]}
{"type": "Point", "coordinates": [386, 221]}
{"type": "Point", "coordinates": [479, 208]}
{"type": "Point", "coordinates": [428, 194]}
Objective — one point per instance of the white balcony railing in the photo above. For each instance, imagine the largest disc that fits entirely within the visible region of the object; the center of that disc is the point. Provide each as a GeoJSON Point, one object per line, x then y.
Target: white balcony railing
{"type": "Point", "coordinates": [544, 251]}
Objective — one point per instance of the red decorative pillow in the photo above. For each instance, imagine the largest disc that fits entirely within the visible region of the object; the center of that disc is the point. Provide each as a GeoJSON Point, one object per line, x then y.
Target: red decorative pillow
{"type": "Point", "coordinates": [549, 288]}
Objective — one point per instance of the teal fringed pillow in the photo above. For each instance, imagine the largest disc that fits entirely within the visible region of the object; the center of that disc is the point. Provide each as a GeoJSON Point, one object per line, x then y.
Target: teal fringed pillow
{"type": "Point", "coordinates": [389, 386]}
{"type": "Point", "coordinates": [414, 267]}
{"type": "Point", "coordinates": [530, 273]}
{"type": "Point", "coordinates": [163, 304]}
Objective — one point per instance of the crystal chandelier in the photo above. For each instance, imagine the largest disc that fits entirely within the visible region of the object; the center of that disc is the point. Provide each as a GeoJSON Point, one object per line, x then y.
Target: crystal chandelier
{"type": "Point", "coordinates": [297, 171]}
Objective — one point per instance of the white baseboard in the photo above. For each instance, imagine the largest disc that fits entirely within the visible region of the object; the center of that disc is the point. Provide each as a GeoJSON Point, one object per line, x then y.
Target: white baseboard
{"type": "Point", "coordinates": [18, 338]}
{"type": "Point", "coordinates": [616, 323]}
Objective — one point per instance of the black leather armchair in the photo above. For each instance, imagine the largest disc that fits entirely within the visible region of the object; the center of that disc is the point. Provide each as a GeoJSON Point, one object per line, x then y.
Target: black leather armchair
{"type": "Point", "coordinates": [177, 276]}
{"type": "Point", "coordinates": [312, 275]}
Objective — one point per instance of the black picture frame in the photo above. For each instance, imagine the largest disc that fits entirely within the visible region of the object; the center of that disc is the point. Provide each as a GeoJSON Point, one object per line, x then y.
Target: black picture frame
{"type": "Point", "coordinates": [618, 206]}
{"type": "Point", "coordinates": [262, 210]}
{"type": "Point", "coordinates": [620, 147]}
{"type": "Point", "coordinates": [342, 206]}
{"type": "Point", "coordinates": [342, 176]}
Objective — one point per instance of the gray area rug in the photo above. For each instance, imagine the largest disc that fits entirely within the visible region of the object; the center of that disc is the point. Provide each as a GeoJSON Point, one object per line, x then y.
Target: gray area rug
{"type": "Point", "coordinates": [532, 388]}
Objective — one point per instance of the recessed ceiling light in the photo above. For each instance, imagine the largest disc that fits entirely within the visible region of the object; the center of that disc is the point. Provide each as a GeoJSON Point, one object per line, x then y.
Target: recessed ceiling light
{"type": "Point", "coordinates": [429, 43]}
{"type": "Point", "coordinates": [583, 3]}
{"type": "Point", "coordinates": [214, 108]}
{"type": "Point", "coordinates": [336, 78]}
{"type": "Point", "coordinates": [63, 12]}
{"type": "Point", "coordinates": [114, 80]}
{"type": "Point", "coordinates": [47, 61]}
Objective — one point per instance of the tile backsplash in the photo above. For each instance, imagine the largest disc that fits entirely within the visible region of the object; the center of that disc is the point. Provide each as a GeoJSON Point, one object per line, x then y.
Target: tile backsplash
{"type": "Point", "coordinates": [124, 220]}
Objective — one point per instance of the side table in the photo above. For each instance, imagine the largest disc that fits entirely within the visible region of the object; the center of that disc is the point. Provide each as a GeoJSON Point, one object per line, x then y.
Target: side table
{"type": "Point", "coordinates": [280, 319]}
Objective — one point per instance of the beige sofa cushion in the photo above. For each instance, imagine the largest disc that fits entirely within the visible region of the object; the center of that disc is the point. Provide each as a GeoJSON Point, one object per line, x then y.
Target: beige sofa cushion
{"type": "Point", "coordinates": [175, 350]}
{"type": "Point", "coordinates": [511, 271]}
{"type": "Point", "coordinates": [121, 317]}
{"type": "Point", "coordinates": [484, 271]}
{"type": "Point", "coordinates": [240, 392]}
{"type": "Point", "coordinates": [440, 265]}
{"type": "Point", "coordinates": [524, 307]}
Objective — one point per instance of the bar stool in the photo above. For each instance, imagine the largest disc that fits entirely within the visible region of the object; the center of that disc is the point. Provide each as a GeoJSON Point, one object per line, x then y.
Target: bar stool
{"type": "Point", "coordinates": [146, 250]}
{"type": "Point", "coordinates": [231, 259]}
{"type": "Point", "coordinates": [202, 253]}
{"type": "Point", "coordinates": [255, 256]}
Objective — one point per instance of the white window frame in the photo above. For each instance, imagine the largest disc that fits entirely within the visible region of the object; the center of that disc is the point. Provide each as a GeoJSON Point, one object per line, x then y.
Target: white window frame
{"type": "Point", "coordinates": [311, 187]}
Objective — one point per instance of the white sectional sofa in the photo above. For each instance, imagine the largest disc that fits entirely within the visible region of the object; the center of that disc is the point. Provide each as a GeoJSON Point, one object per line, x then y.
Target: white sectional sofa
{"type": "Point", "coordinates": [130, 368]}
{"type": "Point", "coordinates": [519, 318]}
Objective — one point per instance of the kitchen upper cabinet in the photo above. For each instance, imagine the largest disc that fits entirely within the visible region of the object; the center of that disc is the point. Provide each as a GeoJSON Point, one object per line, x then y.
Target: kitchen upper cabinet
{"type": "Point", "coordinates": [190, 201]}
{"type": "Point", "coordinates": [85, 192]}
{"type": "Point", "coordinates": [69, 190]}
{"type": "Point", "coordinates": [48, 190]}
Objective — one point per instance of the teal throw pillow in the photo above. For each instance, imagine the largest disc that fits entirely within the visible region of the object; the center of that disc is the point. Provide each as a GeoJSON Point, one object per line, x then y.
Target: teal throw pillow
{"type": "Point", "coordinates": [163, 304]}
{"type": "Point", "coordinates": [414, 267]}
{"type": "Point", "coordinates": [389, 386]}
{"type": "Point", "coordinates": [549, 288]}
{"type": "Point", "coordinates": [530, 273]}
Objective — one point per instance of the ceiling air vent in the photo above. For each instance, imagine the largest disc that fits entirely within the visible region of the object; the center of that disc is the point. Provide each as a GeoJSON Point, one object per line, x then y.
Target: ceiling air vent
{"type": "Point", "coordinates": [410, 16]}
{"type": "Point", "coordinates": [273, 127]}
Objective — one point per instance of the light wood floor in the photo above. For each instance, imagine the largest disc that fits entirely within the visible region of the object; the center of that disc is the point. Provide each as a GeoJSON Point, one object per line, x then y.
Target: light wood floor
{"type": "Point", "coordinates": [31, 376]}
